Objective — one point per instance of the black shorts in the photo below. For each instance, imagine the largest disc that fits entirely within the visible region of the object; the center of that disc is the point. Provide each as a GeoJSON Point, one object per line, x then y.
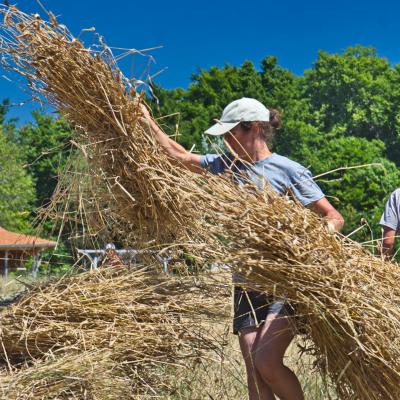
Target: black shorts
{"type": "Point", "coordinates": [250, 309]}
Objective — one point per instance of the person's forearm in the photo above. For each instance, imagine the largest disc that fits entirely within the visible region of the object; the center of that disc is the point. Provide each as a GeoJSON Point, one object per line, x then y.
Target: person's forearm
{"type": "Point", "coordinates": [387, 248]}
{"type": "Point", "coordinates": [174, 149]}
{"type": "Point", "coordinates": [389, 237]}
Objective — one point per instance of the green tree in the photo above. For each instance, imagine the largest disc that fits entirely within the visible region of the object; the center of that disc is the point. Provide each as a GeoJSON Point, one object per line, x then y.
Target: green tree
{"type": "Point", "coordinates": [359, 193]}
{"type": "Point", "coordinates": [17, 191]}
{"type": "Point", "coordinates": [356, 93]}
{"type": "Point", "coordinates": [46, 143]}
{"type": "Point", "coordinates": [193, 110]}
{"type": "Point", "coordinates": [7, 124]}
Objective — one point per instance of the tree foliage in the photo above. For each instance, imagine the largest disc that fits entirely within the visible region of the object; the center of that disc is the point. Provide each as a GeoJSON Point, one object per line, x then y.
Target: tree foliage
{"type": "Point", "coordinates": [17, 191]}
{"type": "Point", "coordinates": [46, 144]}
{"type": "Point", "coordinates": [194, 109]}
{"type": "Point", "coordinates": [356, 94]}
{"type": "Point", "coordinates": [358, 193]}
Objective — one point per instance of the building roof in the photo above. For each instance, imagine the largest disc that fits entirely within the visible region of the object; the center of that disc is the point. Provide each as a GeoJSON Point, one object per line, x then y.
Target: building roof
{"type": "Point", "coordinates": [18, 241]}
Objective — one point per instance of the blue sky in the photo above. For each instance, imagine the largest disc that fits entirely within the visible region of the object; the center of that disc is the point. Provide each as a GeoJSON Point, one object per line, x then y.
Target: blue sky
{"type": "Point", "coordinates": [196, 35]}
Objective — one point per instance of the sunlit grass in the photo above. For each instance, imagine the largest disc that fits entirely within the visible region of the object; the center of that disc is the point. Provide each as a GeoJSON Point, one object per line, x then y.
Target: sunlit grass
{"type": "Point", "coordinates": [225, 378]}
{"type": "Point", "coordinates": [10, 286]}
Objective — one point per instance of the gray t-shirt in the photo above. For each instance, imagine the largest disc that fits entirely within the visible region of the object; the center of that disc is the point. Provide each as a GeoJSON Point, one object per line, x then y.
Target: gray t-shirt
{"type": "Point", "coordinates": [282, 174]}
{"type": "Point", "coordinates": [391, 214]}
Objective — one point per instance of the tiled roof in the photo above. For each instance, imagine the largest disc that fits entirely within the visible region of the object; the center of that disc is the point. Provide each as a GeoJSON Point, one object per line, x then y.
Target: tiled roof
{"type": "Point", "coordinates": [12, 240]}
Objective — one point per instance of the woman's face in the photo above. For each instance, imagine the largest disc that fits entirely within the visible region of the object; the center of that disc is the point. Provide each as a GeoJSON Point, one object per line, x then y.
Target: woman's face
{"type": "Point", "coordinates": [239, 140]}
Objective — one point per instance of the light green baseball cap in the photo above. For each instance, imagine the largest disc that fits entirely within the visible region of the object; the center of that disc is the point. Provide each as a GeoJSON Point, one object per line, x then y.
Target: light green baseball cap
{"type": "Point", "coordinates": [244, 109]}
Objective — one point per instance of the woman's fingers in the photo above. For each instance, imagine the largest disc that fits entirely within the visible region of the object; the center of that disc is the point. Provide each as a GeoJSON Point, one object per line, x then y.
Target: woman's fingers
{"type": "Point", "coordinates": [145, 111]}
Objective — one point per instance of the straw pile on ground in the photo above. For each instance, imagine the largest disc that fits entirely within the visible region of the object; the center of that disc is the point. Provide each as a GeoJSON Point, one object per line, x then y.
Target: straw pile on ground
{"type": "Point", "coordinates": [349, 298]}
{"type": "Point", "coordinates": [116, 326]}
{"type": "Point", "coordinates": [88, 375]}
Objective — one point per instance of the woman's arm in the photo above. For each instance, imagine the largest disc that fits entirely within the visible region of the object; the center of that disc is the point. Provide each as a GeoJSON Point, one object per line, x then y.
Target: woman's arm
{"type": "Point", "coordinates": [325, 209]}
{"type": "Point", "coordinates": [172, 148]}
{"type": "Point", "coordinates": [389, 237]}
{"type": "Point", "coordinates": [390, 221]}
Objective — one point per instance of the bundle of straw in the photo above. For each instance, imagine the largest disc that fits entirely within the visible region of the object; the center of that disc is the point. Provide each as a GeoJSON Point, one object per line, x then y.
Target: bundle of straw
{"type": "Point", "coordinates": [131, 322]}
{"type": "Point", "coordinates": [102, 103]}
{"type": "Point", "coordinates": [349, 297]}
{"type": "Point", "coordinates": [88, 375]}
{"type": "Point", "coordinates": [160, 317]}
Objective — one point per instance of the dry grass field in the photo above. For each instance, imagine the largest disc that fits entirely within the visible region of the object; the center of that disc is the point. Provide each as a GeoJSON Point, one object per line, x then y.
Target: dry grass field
{"type": "Point", "coordinates": [225, 378]}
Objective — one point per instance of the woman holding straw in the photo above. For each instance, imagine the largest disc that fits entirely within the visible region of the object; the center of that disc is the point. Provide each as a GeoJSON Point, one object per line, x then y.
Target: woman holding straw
{"type": "Point", "coordinates": [262, 323]}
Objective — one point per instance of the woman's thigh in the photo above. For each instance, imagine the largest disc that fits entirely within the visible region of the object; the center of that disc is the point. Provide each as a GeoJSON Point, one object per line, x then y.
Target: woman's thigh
{"type": "Point", "coordinates": [273, 339]}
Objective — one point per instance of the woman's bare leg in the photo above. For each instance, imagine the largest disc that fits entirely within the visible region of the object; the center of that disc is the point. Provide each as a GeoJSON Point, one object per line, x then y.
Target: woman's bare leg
{"type": "Point", "coordinates": [270, 344]}
{"type": "Point", "coordinates": [258, 389]}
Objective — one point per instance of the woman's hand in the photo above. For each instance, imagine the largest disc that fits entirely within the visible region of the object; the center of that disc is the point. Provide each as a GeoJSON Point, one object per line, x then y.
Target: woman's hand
{"type": "Point", "coordinates": [145, 112]}
{"type": "Point", "coordinates": [333, 218]}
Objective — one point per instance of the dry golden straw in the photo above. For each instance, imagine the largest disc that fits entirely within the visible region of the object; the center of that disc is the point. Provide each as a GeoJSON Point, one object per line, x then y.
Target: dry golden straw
{"type": "Point", "coordinates": [116, 325]}
{"type": "Point", "coordinates": [88, 375]}
{"type": "Point", "coordinates": [348, 298]}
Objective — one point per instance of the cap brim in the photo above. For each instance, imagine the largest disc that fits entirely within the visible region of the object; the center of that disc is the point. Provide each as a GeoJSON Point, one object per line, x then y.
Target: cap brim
{"type": "Point", "coordinates": [220, 128]}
